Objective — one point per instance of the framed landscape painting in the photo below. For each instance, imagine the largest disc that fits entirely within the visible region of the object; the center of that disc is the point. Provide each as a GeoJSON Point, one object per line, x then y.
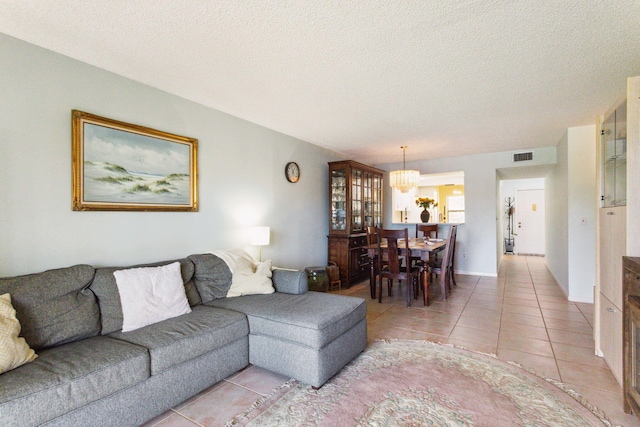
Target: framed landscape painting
{"type": "Point", "coordinates": [123, 167]}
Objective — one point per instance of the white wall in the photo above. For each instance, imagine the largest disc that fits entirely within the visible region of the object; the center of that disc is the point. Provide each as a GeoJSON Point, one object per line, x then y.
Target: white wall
{"type": "Point", "coordinates": [582, 211]}
{"type": "Point", "coordinates": [477, 237]}
{"type": "Point", "coordinates": [556, 220]}
{"type": "Point", "coordinates": [241, 174]}
{"type": "Point", "coordinates": [499, 248]}
{"type": "Point", "coordinates": [571, 199]}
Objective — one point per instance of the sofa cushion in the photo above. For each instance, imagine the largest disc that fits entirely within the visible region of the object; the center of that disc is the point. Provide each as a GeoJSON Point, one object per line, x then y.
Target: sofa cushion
{"type": "Point", "coordinates": [70, 376]}
{"type": "Point", "coordinates": [55, 306]}
{"type": "Point", "coordinates": [176, 340]}
{"type": "Point", "coordinates": [313, 319]}
{"type": "Point", "coordinates": [14, 350]}
{"type": "Point", "coordinates": [212, 276]}
{"type": "Point", "coordinates": [106, 290]}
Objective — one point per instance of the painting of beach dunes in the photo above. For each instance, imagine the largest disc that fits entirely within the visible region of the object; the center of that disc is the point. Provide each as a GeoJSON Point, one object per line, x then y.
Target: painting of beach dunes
{"type": "Point", "coordinates": [132, 168]}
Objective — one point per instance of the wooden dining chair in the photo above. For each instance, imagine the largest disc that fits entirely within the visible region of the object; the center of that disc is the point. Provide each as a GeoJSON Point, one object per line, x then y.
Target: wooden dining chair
{"type": "Point", "coordinates": [372, 239]}
{"type": "Point", "coordinates": [452, 255]}
{"type": "Point", "coordinates": [394, 269]}
{"type": "Point", "coordinates": [372, 235]}
{"type": "Point", "coordinates": [430, 230]}
{"type": "Point", "coordinates": [444, 267]}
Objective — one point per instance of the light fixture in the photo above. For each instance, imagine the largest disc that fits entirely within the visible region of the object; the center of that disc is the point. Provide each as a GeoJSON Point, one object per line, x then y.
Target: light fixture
{"type": "Point", "coordinates": [260, 236]}
{"type": "Point", "coordinates": [404, 180]}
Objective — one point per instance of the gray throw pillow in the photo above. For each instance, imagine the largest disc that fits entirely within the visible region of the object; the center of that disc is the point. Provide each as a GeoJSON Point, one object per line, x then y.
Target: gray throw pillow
{"type": "Point", "coordinates": [212, 276]}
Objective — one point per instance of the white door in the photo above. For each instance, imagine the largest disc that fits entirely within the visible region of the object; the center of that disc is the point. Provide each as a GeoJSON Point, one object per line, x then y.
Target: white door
{"type": "Point", "coordinates": [529, 225]}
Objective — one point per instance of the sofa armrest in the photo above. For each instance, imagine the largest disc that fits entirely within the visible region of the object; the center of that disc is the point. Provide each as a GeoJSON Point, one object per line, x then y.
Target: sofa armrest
{"type": "Point", "coordinates": [290, 281]}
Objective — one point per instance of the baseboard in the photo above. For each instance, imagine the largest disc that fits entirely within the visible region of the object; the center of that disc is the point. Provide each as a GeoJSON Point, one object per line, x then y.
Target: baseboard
{"type": "Point", "coordinates": [581, 299]}
{"type": "Point", "coordinates": [564, 291]}
{"type": "Point", "coordinates": [472, 273]}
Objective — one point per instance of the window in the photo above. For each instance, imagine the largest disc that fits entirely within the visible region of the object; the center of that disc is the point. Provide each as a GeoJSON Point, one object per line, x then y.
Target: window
{"type": "Point", "coordinates": [447, 189]}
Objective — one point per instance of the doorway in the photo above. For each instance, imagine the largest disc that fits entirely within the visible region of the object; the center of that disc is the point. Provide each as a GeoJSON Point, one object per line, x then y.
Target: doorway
{"type": "Point", "coordinates": [530, 224]}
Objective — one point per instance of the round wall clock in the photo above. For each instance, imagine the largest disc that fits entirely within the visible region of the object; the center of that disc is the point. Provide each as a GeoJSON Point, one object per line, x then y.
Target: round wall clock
{"type": "Point", "coordinates": [292, 172]}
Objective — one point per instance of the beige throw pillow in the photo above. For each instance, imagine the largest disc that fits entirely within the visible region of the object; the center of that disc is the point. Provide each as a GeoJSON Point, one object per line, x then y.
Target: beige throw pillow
{"type": "Point", "coordinates": [249, 279]}
{"type": "Point", "coordinates": [14, 350]}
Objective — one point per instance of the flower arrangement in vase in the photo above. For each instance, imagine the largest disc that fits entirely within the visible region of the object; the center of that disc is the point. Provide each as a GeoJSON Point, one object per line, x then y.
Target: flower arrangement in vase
{"type": "Point", "coordinates": [425, 203]}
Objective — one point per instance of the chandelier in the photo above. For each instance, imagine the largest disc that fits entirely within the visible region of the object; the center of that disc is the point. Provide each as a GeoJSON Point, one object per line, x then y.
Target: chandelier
{"type": "Point", "coordinates": [404, 180]}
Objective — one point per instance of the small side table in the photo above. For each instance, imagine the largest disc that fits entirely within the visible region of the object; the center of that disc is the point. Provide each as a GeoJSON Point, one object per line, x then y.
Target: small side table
{"type": "Point", "coordinates": [317, 279]}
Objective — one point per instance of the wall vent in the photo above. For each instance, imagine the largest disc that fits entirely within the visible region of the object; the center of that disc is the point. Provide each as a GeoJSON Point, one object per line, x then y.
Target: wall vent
{"type": "Point", "coordinates": [523, 157]}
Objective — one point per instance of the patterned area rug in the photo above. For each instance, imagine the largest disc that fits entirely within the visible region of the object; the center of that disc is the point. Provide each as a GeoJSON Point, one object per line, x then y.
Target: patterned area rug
{"type": "Point", "coordinates": [419, 383]}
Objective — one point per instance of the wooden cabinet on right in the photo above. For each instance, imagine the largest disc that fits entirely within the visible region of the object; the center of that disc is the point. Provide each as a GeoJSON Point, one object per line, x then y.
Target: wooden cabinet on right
{"type": "Point", "coordinates": [612, 232]}
{"type": "Point", "coordinates": [611, 338]}
{"type": "Point", "coordinates": [612, 225]}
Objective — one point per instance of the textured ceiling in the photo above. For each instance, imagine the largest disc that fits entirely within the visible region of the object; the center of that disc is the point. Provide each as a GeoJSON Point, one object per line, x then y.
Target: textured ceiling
{"type": "Point", "coordinates": [363, 77]}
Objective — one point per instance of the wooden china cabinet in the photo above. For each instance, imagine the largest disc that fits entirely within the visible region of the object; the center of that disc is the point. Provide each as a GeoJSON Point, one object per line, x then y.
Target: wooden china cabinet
{"type": "Point", "coordinates": [355, 202]}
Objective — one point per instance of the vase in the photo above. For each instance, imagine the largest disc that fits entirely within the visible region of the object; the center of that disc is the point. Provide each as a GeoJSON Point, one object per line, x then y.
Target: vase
{"type": "Point", "coordinates": [424, 215]}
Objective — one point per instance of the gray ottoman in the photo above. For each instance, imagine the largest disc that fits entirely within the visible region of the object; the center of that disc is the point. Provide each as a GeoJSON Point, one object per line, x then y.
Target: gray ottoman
{"type": "Point", "coordinates": [309, 337]}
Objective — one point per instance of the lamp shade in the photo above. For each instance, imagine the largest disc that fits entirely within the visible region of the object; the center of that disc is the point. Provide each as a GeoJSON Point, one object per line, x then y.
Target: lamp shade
{"type": "Point", "coordinates": [404, 180]}
{"type": "Point", "coordinates": [260, 236]}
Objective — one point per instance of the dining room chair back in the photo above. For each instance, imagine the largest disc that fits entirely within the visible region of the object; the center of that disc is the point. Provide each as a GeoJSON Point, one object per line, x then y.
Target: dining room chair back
{"type": "Point", "coordinates": [372, 239]}
{"type": "Point", "coordinates": [452, 254]}
{"type": "Point", "coordinates": [442, 267]}
{"type": "Point", "coordinates": [427, 230]}
{"type": "Point", "coordinates": [372, 235]}
{"type": "Point", "coordinates": [394, 269]}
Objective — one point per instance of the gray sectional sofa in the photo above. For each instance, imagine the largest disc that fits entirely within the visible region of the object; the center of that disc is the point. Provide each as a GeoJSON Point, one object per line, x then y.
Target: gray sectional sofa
{"type": "Point", "coordinates": [89, 373]}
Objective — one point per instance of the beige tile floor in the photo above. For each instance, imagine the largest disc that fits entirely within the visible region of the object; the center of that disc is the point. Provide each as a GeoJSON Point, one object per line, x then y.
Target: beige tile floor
{"type": "Point", "coordinates": [522, 316]}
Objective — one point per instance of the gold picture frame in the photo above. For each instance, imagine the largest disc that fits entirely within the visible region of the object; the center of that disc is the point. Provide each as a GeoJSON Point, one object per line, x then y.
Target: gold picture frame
{"type": "Point", "coordinates": [119, 166]}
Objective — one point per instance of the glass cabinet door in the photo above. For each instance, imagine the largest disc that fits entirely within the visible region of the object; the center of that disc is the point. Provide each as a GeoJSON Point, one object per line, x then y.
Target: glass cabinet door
{"type": "Point", "coordinates": [339, 199]}
{"type": "Point", "coordinates": [614, 157]}
{"type": "Point", "coordinates": [377, 201]}
{"type": "Point", "coordinates": [609, 158]}
{"type": "Point", "coordinates": [356, 201]}
{"type": "Point", "coordinates": [621, 155]}
{"type": "Point", "coordinates": [368, 199]}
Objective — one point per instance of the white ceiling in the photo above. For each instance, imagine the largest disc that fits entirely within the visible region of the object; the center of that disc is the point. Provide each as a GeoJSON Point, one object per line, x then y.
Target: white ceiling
{"type": "Point", "coordinates": [363, 77]}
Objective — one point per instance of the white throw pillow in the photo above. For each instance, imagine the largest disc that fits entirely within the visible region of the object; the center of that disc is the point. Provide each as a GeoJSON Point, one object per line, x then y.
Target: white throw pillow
{"type": "Point", "coordinates": [248, 279]}
{"type": "Point", "coordinates": [231, 256]}
{"type": "Point", "coordinates": [150, 295]}
{"type": "Point", "coordinates": [14, 350]}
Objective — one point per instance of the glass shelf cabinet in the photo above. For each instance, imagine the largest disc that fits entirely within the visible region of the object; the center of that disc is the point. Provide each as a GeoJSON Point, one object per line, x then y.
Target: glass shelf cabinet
{"type": "Point", "coordinates": [355, 197]}
{"type": "Point", "coordinates": [355, 202]}
{"type": "Point", "coordinates": [614, 157]}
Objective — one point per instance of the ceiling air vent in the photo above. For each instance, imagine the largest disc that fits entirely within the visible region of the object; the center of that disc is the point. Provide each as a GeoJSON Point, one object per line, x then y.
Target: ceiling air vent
{"type": "Point", "coordinates": [523, 157]}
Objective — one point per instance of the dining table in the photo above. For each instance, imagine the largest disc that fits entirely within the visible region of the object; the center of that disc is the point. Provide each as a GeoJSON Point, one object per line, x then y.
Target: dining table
{"type": "Point", "coordinates": [418, 248]}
